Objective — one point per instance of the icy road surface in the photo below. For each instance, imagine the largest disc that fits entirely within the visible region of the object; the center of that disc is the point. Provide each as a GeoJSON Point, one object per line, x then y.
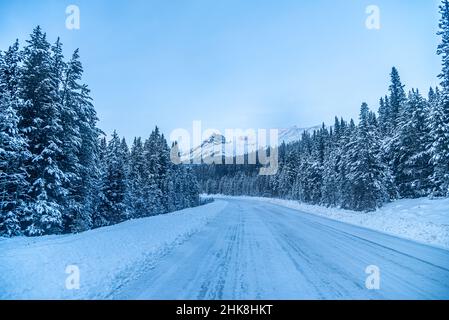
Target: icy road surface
{"type": "Point", "coordinates": [257, 250]}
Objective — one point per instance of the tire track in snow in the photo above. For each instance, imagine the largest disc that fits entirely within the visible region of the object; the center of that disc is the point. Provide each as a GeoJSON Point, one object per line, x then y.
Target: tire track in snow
{"type": "Point", "coordinates": [255, 250]}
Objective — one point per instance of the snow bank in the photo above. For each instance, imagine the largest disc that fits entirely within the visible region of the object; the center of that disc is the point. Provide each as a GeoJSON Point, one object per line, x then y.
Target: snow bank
{"type": "Point", "coordinates": [423, 220]}
{"type": "Point", "coordinates": [107, 257]}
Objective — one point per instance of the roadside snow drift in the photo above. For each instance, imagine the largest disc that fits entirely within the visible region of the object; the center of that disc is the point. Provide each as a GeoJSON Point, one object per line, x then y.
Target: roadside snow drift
{"type": "Point", "coordinates": [107, 258]}
{"type": "Point", "coordinates": [423, 220]}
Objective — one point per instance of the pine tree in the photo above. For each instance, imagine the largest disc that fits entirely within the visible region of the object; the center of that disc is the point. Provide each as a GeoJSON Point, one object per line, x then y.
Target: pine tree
{"type": "Point", "coordinates": [344, 166]}
{"type": "Point", "coordinates": [13, 148]}
{"type": "Point", "coordinates": [287, 175]}
{"type": "Point", "coordinates": [431, 96]}
{"type": "Point", "coordinates": [440, 113]}
{"type": "Point", "coordinates": [366, 173]}
{"type": "Point", "coordinates": [69, 136]}
{"type": "Point", "coordinates": [137, 179]}
{"type": "Point", "coordinates": [115, 183]}
{"type": "Point", "coordinates": [13, 183]}
{"type": "Point", "coordinates": [41, 125]}
{"type": "Point", "coordinates": [413, 157]}
{"type": "Point", "coordinates": [100, 205]}
{"type": "Point", "coordinates": [80, 137]}
{"type": "Point", "coordinates": [391, 143]}
{"type": "Point", "coordinates": [396, 100]}
{"type": "Point", "coordinates": [10, 70]}
{"type": "Point", "coordinates": [384, 115]}
{"type": "Point", "coordinates": [155, 174]}
{"type": "Point", "coordinates": [331, 186]}
{"type": "Point", "coordinates": [165, 173]}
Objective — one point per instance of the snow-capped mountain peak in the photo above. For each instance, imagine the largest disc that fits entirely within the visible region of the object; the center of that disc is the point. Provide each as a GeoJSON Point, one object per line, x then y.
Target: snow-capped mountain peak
{"type": "Point", "coordinates": [294, 133]}
{"type": "Point", "coordinates": [218, 144]}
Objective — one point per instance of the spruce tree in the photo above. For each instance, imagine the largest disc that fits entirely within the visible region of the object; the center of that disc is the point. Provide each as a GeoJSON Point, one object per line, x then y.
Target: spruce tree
{"type": "Point", "coordinates": [384, 116]}
{"type": "Point", "coordinates": [154, 174]}
{"type": "Point", "coordinates": [440, 113]}
{"type": "Point", "coordinates": [366, 173]}
{"type": "Point", "coordinates": [413, 136]}
{"type": "Point", "coordinates": [101, 204]}
{"type": "Point", "coordinates": [396, 100]}
{"type": "Point", "coordinates": [13, 149]}
{"type": "Point", "coordinates": [80, 137]}
{"type": "Point", "coordinates": [115, 182]}
{"type": "Point", "coordinates": [137, 179]}
{"type": "Point", "coordinates": [41, 125]}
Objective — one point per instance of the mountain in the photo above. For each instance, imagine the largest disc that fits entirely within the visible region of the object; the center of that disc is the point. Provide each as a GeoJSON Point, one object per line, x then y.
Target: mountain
{"type": "Point", "coordinates": [209, 148]}
{"type": "Point", "coordinates": [294, 133]}
{"type": "Point", "coordinates": [217, 144]}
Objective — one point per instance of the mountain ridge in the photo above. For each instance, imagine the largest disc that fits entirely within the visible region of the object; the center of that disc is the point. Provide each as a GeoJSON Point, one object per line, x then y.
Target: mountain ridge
{"type": "Point", "coordinates": [217, 144]}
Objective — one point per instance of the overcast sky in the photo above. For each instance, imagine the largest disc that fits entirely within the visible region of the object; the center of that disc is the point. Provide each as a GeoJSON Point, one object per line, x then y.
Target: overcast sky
{"type": "Point", "coordinates": [235, 63]}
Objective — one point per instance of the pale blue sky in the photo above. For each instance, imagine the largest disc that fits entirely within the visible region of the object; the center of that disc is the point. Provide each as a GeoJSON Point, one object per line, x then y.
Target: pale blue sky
{"type": "Point", "coordinates": [235, 63]}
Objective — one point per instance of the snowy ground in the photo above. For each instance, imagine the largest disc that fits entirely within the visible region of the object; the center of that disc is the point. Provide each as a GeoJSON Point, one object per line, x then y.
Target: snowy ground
{"type": "Point", "coordinates": [35, 268]}
{"type": "Point", "coordinates": [423, 220]}
{"type": "Point", "coordinates": [229, 249]}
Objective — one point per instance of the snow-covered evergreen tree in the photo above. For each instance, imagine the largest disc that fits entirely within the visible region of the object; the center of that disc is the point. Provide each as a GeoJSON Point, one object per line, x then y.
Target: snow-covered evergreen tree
{"type": "Point", "coordinates": [136, 198]}
{"type": "Point", "coordinates": [115, 182]}
{"type": "Point", "coordinates": [366, 173]}
{"type": "Point", "coordinates": [13, 148]}
{"type": "Point", "coordinates": [439, 120]}
{"type": "Point", "coordinates": [287, 174]}
{"type": "Point", "coordinates": [41, 125]}
{"type": "Point", "coordinates": [154, 174]}
{"type": "Point", "coordinates": [384, 116]}
{"type": "Point", "coordinates": [100, 216]}
{"type": "Point", "coordinates": [396, 100]}
{"type": "Point", "coordinates": [80, 137]}
{"type": "Point", "coordinates": [331, 189]}
{"type": "Point", "coordinates": [413, 169]}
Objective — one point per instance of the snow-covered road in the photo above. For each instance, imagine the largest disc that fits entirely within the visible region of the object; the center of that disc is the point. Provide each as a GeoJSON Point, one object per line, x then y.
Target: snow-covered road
{"type": "Point", "coordinates": [258, 250]}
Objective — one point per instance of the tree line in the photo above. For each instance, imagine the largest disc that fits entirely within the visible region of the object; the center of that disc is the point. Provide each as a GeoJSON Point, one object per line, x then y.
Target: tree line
{"type": "Point", "coordinates": [58, 174]}
{"type": "Point", "coordinates": [402, 151]}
